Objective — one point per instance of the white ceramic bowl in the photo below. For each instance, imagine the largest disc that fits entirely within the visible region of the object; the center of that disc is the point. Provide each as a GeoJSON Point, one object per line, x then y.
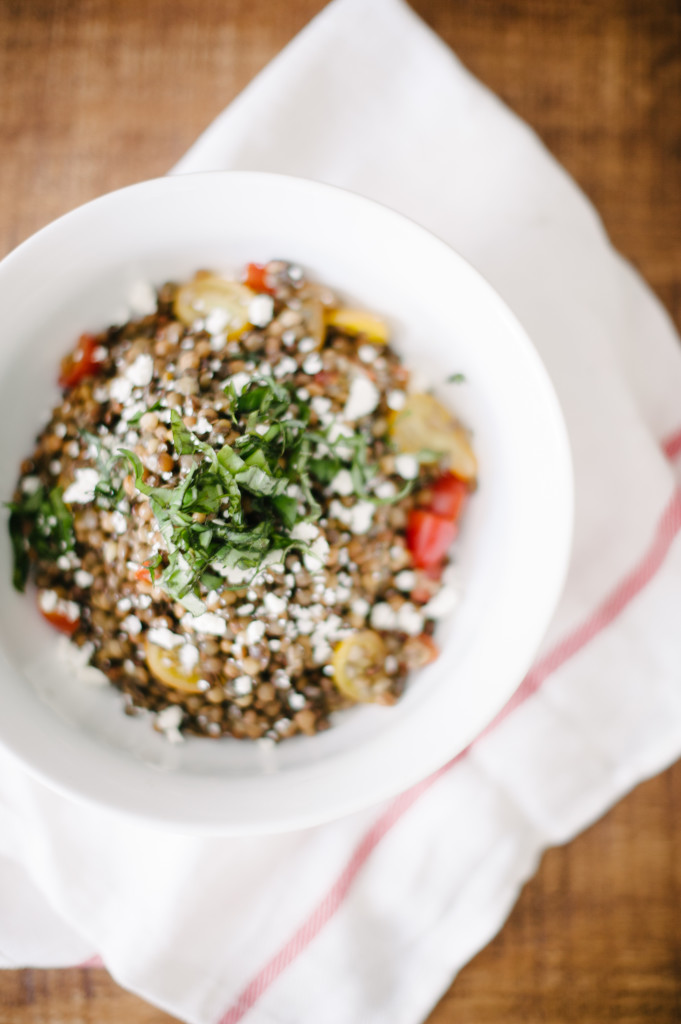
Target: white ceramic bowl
{"type": "Point", "coordinates": [511, 556]}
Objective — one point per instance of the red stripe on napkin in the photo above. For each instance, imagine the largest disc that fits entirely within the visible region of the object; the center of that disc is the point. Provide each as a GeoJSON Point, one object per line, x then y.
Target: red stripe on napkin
{"type": "Point", "coordinates": [667, 529]}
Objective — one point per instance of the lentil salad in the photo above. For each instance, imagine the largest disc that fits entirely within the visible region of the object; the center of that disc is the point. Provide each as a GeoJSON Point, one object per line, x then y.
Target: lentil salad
{"type": "Point", "coordinates": [240, 510]}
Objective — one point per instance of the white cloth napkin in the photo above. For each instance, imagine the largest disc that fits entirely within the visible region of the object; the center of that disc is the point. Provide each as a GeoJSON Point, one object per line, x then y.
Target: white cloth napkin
{"type": "Point", "coordinates": [370, 918]}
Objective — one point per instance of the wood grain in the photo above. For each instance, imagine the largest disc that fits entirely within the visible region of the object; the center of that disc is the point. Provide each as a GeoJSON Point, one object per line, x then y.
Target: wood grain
{"type": "Point", "coordinates": [95, 94]}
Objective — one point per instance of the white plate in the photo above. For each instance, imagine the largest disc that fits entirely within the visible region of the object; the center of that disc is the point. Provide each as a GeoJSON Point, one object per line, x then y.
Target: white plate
{"type": "Point", "coordinates": [511, 557]}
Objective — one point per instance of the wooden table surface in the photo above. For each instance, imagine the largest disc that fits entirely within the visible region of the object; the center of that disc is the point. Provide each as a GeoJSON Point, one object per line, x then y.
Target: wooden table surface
{"type": "Point", "coordinates": [95, 94]}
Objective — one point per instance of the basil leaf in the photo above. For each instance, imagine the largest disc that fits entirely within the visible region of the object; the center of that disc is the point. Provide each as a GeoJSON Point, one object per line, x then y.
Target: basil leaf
{"type": "Point", "coordinates": [325, 469]}
{"type": "Point", "coordinates": [287, 509]}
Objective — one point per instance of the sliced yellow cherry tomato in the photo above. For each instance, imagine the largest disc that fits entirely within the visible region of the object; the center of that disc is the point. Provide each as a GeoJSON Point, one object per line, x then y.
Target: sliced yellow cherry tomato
{"type": "Point", "coordinates": [208, 293]}
{"type": "Point", "coordinates": [358, 668]}
{"type": "Point", "coordinates": [166, 666]}
{"type": "Point", "coordinates": [424, 423]}
{"type": "Point", "coordinates": [359, 322]}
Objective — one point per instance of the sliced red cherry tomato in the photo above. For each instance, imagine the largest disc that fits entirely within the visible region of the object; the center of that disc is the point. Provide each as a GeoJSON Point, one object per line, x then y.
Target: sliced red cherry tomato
{"type": "Point", "coordinates": [80, 363]}
{"type": "Point", "coordinates": [428, 537]}
{"type": "Point", "coordinates": [142, 573]}
{"type": "Point", "coordinates": [256, 278]}
{"type": "Point", "coordinates": [448, 494]}
{"type": "Point", "coordinates": [59, 621]}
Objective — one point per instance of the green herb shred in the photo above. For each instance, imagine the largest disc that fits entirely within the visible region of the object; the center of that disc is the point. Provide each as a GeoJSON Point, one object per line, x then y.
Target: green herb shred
{"type": "Point", "coordinates": [39, 522]}
{"type": "Point", "coordinates": [237, 506]}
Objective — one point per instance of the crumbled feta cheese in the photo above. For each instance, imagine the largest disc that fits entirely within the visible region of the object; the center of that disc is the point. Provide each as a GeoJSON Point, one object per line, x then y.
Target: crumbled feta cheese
{"type": "Point", "coordinates": [55, 467]}
{"type": "Point", "coordinates": [72, 448]}
{"type": "Point", "coordinates": [360, 607]}
{"type": "Point", "coordinates": [60, 430]}
{"type": "Point", "coordinates": [361, 516]}
{"type": "Point", "coordinates": [120, 389]}
{"type": "Point", "coordinates": [386, 489]}
{"type": "Point", "coordinates": [261, 310]}
{"type": "Point", "coordinates": [82, 578]}
{"type": "Point", "coordinates": [124, 605]}
{"type": "Point", "coordinates": [142, 299]}
{"type": "Point", "coordinates": [383, 616]}
{"type": "Point", "coordinates": [321, 405]}
{"type": "Point", "coordinates": [336, 431]}
{"type": "Point", "coordinates": [395, 400]}
{"type": "Point", "coordinates": [274, 605]}
{"type": "Point", "coordinates": [363, 398]}
{"type": "Point", "coordinates": [442, 604]}
{"type": "Point", "coordinates": [242, 685]}
{"type": "Point", "coordinates": [216, 321]}
{"type": "Point", "coordinates": [410, 619]}
{"type": "Point", "coordinates": [367, 353]}
{"type": "Point", "coordinates": [342, 483]}
{"type": "Point", "coordinates": [284, 367]}
{"type": "Point", "coordinates": [119, 522]}
{"type": "Point", "coordinates": [312, 364]}
{"type": "Point", "coordinates": [168, 722]}
{"type": "Point", "coordinates": [304, 531]}
{"type": "Point", "coordinates": [30, 484]}
{"type": "Point", "coordinates": [188, 656]}
{"type": "Point", "coordinates": [48, 600]}
{"type": "Point", "coordinates": [296, 701]}
{"type": "Point", "coordinates": [132, 625]}
{"type": "Point", "coordinates": [245, 609]}
{"type": "Point", "coordinates": [141, 371]}
{"type": "Point", "coordinates": [407, 466]}
{"type": "Point", "coordinates": [289, 338]}
{"type": "Point", "coordinates": [317, 555]}
{"type": "Point", "coordinates": [165, 638]}
{"type": "Point", "coordinates": [405, 580]}
{"type": "Point", "coordinates": [307, 344]}
{"type": "Point", "coordinates": [202, 426]}
{"type": "Point", "coordinates": [208, 622]}
{"type": "Point", "coordinates": [239, 381]}
{"type": "Point", "coordinates": [235, 575]}
{"type": "Point", "coordinates": [83, 487]}
{"type": "Point", "coordinates": [303, 394]}
{"type": "Point", "coordinates": [255, 631]}
{"type": "Point", "coordinates": [170, 717]}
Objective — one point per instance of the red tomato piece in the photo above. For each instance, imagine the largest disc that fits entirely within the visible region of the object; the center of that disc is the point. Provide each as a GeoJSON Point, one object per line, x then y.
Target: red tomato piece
{"type": "Point", "coordinates": [59, 621]}
{"type": "Point", "coordinates": [80, 363]}
{"type": "Point", "coordinates": [428, 537]}
{"type": "Point", "coordinates": [256, 278]}
{"type": "Point", "coordinates": [142, 573]}
{"type": "Point", "coordinates": [448, 496]}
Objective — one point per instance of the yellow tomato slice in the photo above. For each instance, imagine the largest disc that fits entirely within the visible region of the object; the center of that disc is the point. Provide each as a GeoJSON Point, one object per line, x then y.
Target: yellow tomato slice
{"type": "Point", "coordinates": [208, 293]}
{"type": "Point", "coordinates": [165, 666]}
{"type": "Point", "coordinates": [358, 322]}
{"type": "Point", "coordinates": [358, 668]}
{"type": "Point", "coordinates": [423, 423]}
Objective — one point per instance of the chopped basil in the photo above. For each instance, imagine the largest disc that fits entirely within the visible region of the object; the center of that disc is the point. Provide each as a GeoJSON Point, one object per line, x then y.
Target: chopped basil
{"type": "Point", "coordinates": [39, 522]}
{"type": "Point", "coordinates": [234, 508]}
{"type": "Point", "coordinates": [109, 488]}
